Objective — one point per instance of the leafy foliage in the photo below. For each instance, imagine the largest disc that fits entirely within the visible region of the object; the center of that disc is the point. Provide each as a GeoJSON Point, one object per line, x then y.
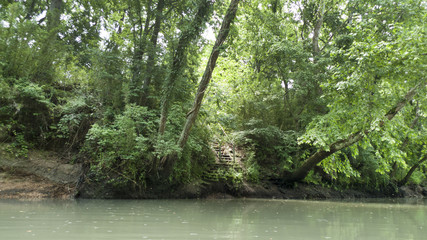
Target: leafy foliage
{"type": "Point", "coordinates": [273, 150]}
{"type": "Point", "coordinates": [293, 78]}
{"type": "Point", "coordinates": [122, 148]}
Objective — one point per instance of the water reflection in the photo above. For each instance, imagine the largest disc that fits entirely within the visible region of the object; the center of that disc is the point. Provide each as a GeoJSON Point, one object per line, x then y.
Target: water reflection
{"type": "Point", "coordinates": [213, 219]}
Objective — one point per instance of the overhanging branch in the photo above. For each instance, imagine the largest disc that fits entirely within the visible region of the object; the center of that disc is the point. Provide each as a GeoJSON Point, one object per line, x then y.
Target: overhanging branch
{"type": "Point", "coordinates": [301, 172]}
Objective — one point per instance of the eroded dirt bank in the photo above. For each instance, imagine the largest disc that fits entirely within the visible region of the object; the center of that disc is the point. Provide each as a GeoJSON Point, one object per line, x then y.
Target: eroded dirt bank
{"type": "Point", "coordinates": [39, 175]}
{"type": "Point", "coordinates": [24, 186]}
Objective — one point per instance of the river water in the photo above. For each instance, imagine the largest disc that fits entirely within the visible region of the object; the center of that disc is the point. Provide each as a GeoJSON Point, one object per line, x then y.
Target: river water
{"type": "Point", "coordinates": [213, 219]}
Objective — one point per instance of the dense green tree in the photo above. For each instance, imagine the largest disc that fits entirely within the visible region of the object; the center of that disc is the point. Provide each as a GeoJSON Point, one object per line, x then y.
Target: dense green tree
{"type": "Point", "coordinates": [373, 83]}
{"type": "Point", "coordinates": [312, 89]}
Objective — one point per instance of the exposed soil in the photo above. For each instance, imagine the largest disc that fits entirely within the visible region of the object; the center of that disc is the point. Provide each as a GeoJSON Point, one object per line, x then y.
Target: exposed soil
{"type": "Point", "coordinates": [38, 175]}
{"type": "Point", "coordinates": [24, 186]}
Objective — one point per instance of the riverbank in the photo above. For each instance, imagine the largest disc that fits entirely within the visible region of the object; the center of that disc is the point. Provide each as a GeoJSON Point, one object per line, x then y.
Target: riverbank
{"type": "Point", "coordinates": [41, 174]}
{"type": "Point", "coordinates": [25, 186]}
{"type": "Point", "coordinates": [48, 175]}
{"type": "Point", "coordinates": [29, 186]}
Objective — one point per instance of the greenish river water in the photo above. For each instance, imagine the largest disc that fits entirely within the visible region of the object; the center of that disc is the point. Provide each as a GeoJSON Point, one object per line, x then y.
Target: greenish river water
{"type": "Point", "coordinates": [213, 219]}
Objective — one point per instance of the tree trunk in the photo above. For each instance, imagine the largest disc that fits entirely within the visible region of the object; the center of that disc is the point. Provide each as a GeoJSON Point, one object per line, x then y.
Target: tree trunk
{"type": "Point", "coordinates": [222, 35]}
{"type": "Point", "coordinates": [53, 17]}
{"type": "Point", "coordinates": [168, 162]}
{"type": "Point", "coordinates": [411, 171]}
{"type": "Point", "coordinates": [43, 71]}
{"type": "Point", "coordinates": [301, 172]}
{"type": "Point", "coordinates": [187, 36]}
{"type": "Point", "coordinates": [317, 28]}
{"type": "Point", "coordinates": [152, 51]}
{"type": "Point", "coordinates": [139, 49]}
{"type": "Point", "coordinates": [406, 140]}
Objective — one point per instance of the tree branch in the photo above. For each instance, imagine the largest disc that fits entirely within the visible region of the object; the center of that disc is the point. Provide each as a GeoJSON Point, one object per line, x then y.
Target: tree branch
{"type": "Point", "coordinates": [301, 172]}
{"type": "Point", "coordinates": [411, 171]}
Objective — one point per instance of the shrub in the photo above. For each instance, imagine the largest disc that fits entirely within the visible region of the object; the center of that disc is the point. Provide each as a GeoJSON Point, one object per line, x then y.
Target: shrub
{"type": "Point", "coordinates": [26, 111]}
{"type": "Point", "coordinates": [273, 149]}
{"type": "Point", "coordinates": [121, 150]}
{"type": "Point", "coordinates": [75, 120]}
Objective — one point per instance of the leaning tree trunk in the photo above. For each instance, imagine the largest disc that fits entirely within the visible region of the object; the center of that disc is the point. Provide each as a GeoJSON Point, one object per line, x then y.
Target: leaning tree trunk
{"type": "Point", "coordinates": [411, 171]}
{"type": "Point", "coordinates": [168, 161]}
{"type": "Point", "coordinates": [301, 172]}
{"type": "Point", "coordinates": [222, 36]}
{"type": "Point", "coordinates": [406, 140]}
{"type": "Point", "coordinates": [187, 36]}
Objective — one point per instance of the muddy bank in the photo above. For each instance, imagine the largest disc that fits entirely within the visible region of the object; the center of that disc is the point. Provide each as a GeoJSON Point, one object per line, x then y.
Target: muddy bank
{"type": "Point", "coordinates": [48, 175]}
{"type": "Point", "coordinates": [29, 186]}
{"type": "Point", "coordinates": [24, 186]}
{"type": "Point", "coordinates": [39, 175]}
{"type": "Point", "coordinates": [223, 190]}
{"type": "Point", "coordinates": [299, 191]}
